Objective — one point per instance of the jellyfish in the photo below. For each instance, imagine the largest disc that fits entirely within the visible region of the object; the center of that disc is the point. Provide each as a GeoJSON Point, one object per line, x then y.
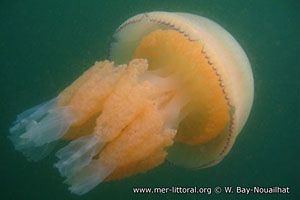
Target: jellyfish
{"type": "Point", "coordinates": [178, 87]}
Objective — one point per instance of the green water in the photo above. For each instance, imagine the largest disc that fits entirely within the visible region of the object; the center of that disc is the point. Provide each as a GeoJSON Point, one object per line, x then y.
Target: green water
{"type": "Point", "coordinates": [45, 45]}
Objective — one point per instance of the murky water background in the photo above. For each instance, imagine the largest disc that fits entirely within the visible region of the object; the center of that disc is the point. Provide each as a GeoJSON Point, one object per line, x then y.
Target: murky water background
{"type": "Point", "coordinates": [45, 45]}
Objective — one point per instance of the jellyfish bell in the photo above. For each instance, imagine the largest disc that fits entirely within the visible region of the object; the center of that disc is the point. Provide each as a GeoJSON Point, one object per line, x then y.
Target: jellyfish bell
{"type": "Point", "coordinates": [181, 89]}
{"type": "Point", "coordinates": [229, 69]}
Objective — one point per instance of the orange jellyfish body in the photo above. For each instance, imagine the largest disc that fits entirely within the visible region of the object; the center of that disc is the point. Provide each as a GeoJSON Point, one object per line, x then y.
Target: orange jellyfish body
{"type": "Point", "coordinates": [183, 83]}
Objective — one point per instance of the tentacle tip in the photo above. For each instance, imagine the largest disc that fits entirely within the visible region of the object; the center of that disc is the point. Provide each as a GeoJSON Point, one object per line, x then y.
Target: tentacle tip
{"type": "Point", "coordinates": [77, 154]}
{"type": "Point", "coordinates": [88, 178]}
